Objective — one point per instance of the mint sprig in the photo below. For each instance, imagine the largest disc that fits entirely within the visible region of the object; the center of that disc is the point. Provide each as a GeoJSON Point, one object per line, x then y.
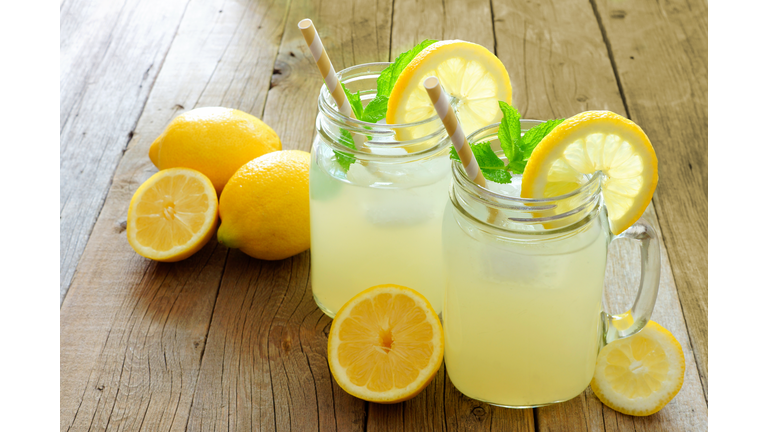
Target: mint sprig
{"type": "Point", "coordinates": [354, 102]}
{"type": "Point", "coordinates": [345, 159]}
{"type": "Point", "coordinates": [532, 138]}
{"type": "Point", "coordinates": [377, 107]}
{"type": "Point", "coordinates": [516, 148]}
{"type": "Point", "coordinates": [491, 166]}
{"type": "Point", "coordinates": [509, 135]}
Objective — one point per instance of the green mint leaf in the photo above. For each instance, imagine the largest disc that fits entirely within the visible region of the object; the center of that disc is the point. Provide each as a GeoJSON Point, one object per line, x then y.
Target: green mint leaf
{"type": "Point", "coordinates": [486, 157]}
{"type": "Point", "coordinates": [354, 102]}
{"type": "Point", "coordinates": [454, 155]}
{"type": "Point", "coordinates": [376, 109]}
{"type": "Point", "coordinates": [386, 81]}
{"type": "Point", "coordinates": [345, 159]}
{"type": "Point", "coordinates": [517, 167]}
{"type": "Point", "coordinates": [509, 133]}
{"type": "Point", "coordinates": [529, 141]}
{"type": "Point", "coordinates": [490, 165]}
{"type": "Point", "coordinates": [533, 137]}
{"type": "Point", "coordinates": [500, 176]}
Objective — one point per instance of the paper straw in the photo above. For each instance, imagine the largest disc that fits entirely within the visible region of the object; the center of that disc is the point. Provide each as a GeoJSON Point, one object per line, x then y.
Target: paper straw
{"type": "Point", "coordinates": [453, 128]}
{"type": "Point", "coordinates": [324, 66]}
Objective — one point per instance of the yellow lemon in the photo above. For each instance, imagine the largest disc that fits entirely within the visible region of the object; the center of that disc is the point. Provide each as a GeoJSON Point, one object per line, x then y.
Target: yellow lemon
{"type": "Point", "coordinates": [215, 141]}
{"type": "Point", "coordinates": [386, 344]}
{"type": "Point", "coordinates": [590, 142]}
{"type": "Point", "coordinates": [172, 215]}
{"type": "Point", "coordinates": [264, 207]}
{"type": "Point", "coordinates": [639, 375]}
{"type": "Point", "coordinates": [473, 78]}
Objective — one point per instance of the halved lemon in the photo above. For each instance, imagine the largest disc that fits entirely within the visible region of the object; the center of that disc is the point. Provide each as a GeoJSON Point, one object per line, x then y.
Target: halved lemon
{"type": "Point", "coordinates": [172, 215]}
{"type": "Point", "coordinates": [590, 142]}
{"type": "Point", "coordinates": [639, 375]}
{"type": "Point", "coordinates": [386, 344]}
{"type": "Point", "coordinates": [474, 79]}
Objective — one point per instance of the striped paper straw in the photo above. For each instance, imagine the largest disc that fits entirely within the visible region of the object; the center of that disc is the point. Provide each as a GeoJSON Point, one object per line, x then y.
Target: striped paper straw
{"type": "Point", "coordinates": [453, 128]}
{"type": "Point", "coordinates": [324, 66]}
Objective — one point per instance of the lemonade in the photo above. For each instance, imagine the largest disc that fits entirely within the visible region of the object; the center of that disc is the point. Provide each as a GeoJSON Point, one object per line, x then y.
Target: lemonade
{"type": "Point", "coordinates": [522, 311]}
{"type": "Point", "coordinates": [379, 223]}
{"type": "Point", "coordinates": [380, 167]}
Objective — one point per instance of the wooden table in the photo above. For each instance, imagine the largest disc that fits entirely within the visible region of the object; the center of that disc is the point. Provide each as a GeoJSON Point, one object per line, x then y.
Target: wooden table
{"type": "Point", "coordinates": [222, 341]}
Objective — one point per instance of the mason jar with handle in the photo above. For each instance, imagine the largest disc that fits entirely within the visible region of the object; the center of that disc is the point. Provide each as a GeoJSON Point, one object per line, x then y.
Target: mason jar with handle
{"type": "Point", "coordinates": [522, 310]}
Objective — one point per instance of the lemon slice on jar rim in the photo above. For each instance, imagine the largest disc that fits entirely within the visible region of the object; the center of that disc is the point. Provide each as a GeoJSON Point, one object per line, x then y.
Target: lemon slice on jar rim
{"type": "Point", "coordinates": [592, 142]}
{"type": "Point", "coordinates": [473, 78]}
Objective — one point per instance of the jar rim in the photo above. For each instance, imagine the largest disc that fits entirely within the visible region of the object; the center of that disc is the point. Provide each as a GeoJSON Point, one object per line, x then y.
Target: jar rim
{"type": "Point", "coordinates": [382, 136]}
{"type": "Point", "coordinates": [329, 109]}
{"type": "Point", "coordinates": [584, 199]}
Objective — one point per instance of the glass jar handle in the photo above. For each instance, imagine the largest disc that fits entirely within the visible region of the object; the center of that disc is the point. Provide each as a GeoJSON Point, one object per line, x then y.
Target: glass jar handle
{"type": "Point", "coordinates": [632, 321]}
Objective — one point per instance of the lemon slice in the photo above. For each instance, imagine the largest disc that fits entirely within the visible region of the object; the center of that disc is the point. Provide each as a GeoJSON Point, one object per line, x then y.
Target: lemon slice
{"type": "Point", "coordinates": [585, 144]}
{"type": "Point", "coordinates": [639, 375]}
{"type": "Point", "coordinates": [474, 79]}
{"type": "Point", "coordinates": [172, 215]}
{"type": "Point", "coordinates": [386, 344]}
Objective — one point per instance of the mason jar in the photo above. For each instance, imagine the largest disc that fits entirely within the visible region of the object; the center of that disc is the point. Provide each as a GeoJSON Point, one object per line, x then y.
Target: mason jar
{"type": "Point", "coordinates": [375, 209]}
{"type": "Point", "coordinates": [522, 314]}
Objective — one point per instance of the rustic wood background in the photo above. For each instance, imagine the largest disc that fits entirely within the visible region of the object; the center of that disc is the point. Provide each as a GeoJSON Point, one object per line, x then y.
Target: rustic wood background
{"type": "Point", "coordinates": [222, 341]}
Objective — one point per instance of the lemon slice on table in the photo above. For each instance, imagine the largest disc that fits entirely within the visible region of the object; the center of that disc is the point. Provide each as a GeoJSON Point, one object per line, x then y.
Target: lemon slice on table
{"type": "Point", "coordinates": [474, 79]}
{"type": "Point", "coordinates": [172, 215]}
{"type": "Point", "coordinates": [639, 375]}
{"type": "Point", "coordinates": [585, 144]}
{"type": "Point", "coordinates": [386, 344]}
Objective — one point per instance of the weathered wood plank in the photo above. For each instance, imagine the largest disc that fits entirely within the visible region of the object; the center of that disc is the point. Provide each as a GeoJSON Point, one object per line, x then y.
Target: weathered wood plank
{"type": "Point", "coordinates": [265, 365]}
{"type": "Point", "coordinates": [132, 331]}
{"type": "Point", "coordinates": [109, 60]}
{"type": "Point", "coordinates": [660, 53]}
{"type": "Point", "coordinates": [441, 20]}
{"type": "Point", "coordinates": [557, 59]}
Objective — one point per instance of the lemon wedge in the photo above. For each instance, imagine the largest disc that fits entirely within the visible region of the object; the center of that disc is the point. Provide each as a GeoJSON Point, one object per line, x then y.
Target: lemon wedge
{"type": "Point", "coordinates": [639, 375]}
{"type": "Point", "coordinates": [385, 344]}
{"type": "Point", "coordinates": [172, 215]}
{"type": "Point", "coordinates": [585, 144]}
{"type": "Point", "coordinates": [474, 79]}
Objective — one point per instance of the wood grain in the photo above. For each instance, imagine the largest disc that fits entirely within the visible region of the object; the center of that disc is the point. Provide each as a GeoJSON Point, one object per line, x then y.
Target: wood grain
{"type": "Point", "coordinates": [132, 331]}
{"type": "Point", "coordinates": [442, 20]}
{"type": "Point", "coordinates": [108, 64]}
{"type": "Point", "coordinates": [265, 366]}
{"type": "Point", "coordinates": [660, 53]}
{"type": "Point", "coordinates": [555, 57]}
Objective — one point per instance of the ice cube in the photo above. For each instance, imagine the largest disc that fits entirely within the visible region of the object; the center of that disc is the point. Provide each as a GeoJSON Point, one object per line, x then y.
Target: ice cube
{"type": "Point", "coordinates": [362, 175]}
{"type": "Point", "coordinates": [511, 189]}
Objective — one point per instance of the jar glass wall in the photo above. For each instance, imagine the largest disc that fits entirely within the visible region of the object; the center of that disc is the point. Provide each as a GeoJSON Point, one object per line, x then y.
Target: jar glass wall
{"type": "Point", "coordinates": [376, 209]}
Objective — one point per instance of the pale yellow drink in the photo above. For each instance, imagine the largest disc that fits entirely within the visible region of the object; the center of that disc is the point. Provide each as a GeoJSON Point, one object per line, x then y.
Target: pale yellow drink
{"type": "Point", "coordinates": [377, 194]}
{"type": "Point", "coordinates": [522, 312]}
{"type": "Point", "coordinates": [377, 224]}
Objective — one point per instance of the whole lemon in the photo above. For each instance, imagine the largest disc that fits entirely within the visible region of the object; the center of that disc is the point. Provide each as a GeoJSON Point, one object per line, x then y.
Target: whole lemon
{"type": "Point", "coordinates": [264, 208]}
{"type": "Point", "coordinates": [215, 141]}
